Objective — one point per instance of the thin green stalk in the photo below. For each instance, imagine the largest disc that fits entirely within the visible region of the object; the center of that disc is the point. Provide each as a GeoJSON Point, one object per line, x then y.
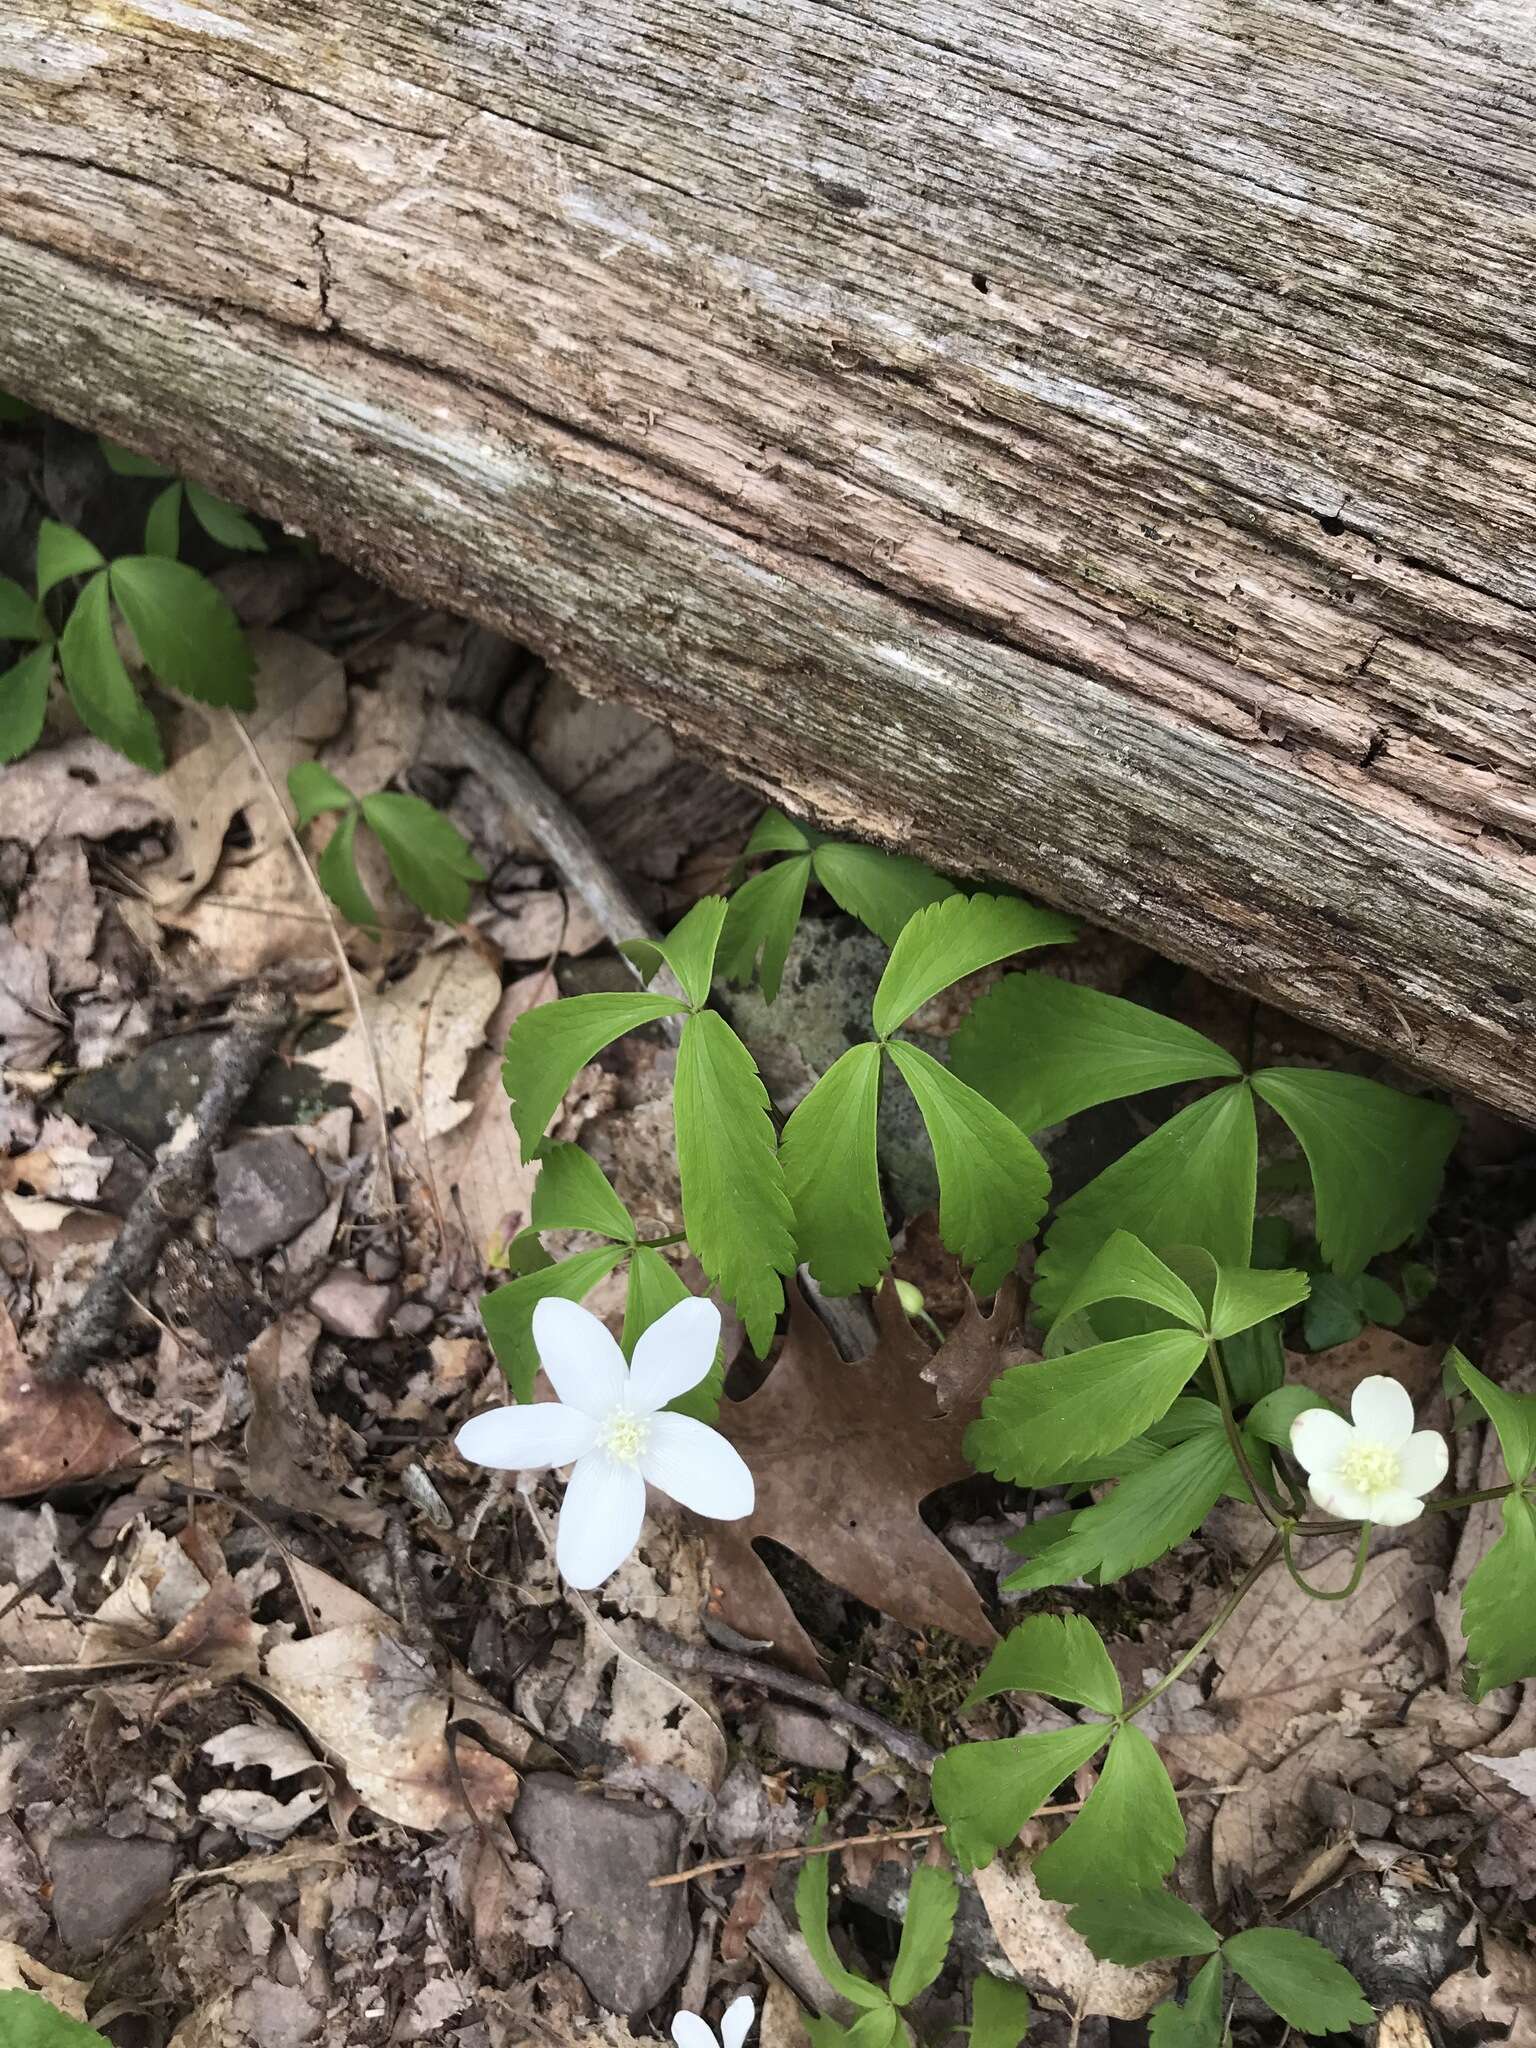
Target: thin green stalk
{"type": "Point", "coordinates": [1260, 1494]}
{"type": "Point", "coordinates": [1229, 1607]}
{"type": "Point", "coordinates": [1312, 1592]}
{"type": "Point", "coordinates": [1431, 1507]}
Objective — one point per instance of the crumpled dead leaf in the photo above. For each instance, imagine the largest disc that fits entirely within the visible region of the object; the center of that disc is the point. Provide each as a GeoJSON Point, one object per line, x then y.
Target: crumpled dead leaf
{"type": "Point", "coordinates": [59, 915]}
{"type": "Point", "coordinates": [83, 789]}
{"type": "Point", "coordinates": [843, 1454]}
{"type": "Point", "coordinates": [21, 1972]}
{"type": "Point", "coordinates": [1499, 1990]}
{"type": "Point", "coordinates": [1050, 1956]}
{"type": "Point", "coordinates": [289, 1444]}
{"type": "Point", "coordinates": [283, 1754]}
{"type": "Point", "coordinates": [31, 1023]}
{"type": "Point", "coordinates": [51, 1431]}
{"type": "Point", "coordinates": [60, 1167]}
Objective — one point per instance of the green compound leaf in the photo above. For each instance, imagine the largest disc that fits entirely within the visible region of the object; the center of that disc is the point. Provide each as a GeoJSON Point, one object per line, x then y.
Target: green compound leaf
{"type": "Point", "coordinates": [1129, 1834]}
{"type": "Point", "coordinates": [882, 890]}
{"type": "Point", "coordinates": [689, 949]}
{"type": "Point", "coordinates": [427, 853]}
{"type": "Point", "coordinates": [950, 939]}
{"type": "Point", "coordinates": [1060, 1655]}
{"type": "Point", "coordinates": [1299, 1979]}
{"type": "Point", "coordinates": [654, 1287]}
{"type": "Point", "coordinates": [811, 1888]}
{"type": "Point", "coordinates": [1376, 1157]}
{"type": "Point", "coordinates": [123, 462]}
{"type": "Point", "coordinates": [1143, 1927]}
{"type": "Point", "coordinates": [27, 2021]}
{"type": "Point", "coordinates": [925, 1932]}
{"type": "Point", "coordinates": [224, 522]}
{"type": "Point", "coordinates": [832, 1175]}
{"type": "Point", "coordinates": [760, 926]}
{"type": "Point", "coordinates": [507, 1312]}
{"type": "Point", "coordinates": [1039, 1419]}
{"type": "Point", "coordinates": [1245, 1297]}
{"type": "Point", "coordinates": [1146, 1515]}
{"type": "Point", "coordinates": [338, 876]}
{"type": "Point", "coordinates": [774, 833]}
{"type": "Point", "coordinates": [24, 702]}
{"type": "Point", "coordinates": [735, 1210]}
{"type": "Point", "coordinates": [21, 616]}
{"type": "Point", "coordinates": [985, 1791]}
{"type": "Point", "coordinates": [1042, 1049]}
{"type": "Point", "coordinates": [187, 634]}
{"type": "Point", "coordinates": [1498, 1607]}
{"type": "Point", "coordinates": [1270, 1419]}
{"type": "Point", "coordinates": [162, 524]}
{"type": "Point", "coordinates": [572, 1193]}
{"type": "Point", "coordinates": [100, 687]}
{"type": "Point", "coordinates": [1197, 2022]}
{"type": "Point", "coordinates": [1513, 1415]}
{"type": "Point", "coordinates": [992, 1182]}
{"type": "Point", "coordinates": [1000, 2013]}
{"type": "Point", "coordinates": [547, 1048]}
{"type": "Point", "coordinates": [1193, 1182]}
{"type": "Point", "coordinates": [315, 789]}
{"type": "Point", "coordinates": [61, 553]}
{"type": "Point", "coordinates": [1123, 1269]}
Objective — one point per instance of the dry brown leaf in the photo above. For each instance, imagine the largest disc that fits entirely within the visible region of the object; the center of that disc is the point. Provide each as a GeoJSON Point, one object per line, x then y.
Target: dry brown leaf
{"type": "Point", "coordinates": [51, 1431]}
{"type": "Point", "coordinates": [60, 916]}
{"type": "Point", "coordinates": [1335, 1374]}
{"type": "Point", "coordinates": [1498, 1991]}
{"type": "Point", "coordinates": [1051, 1957]}
{"type": "Point", "coordinates": [21, 1972]}
{"type": "Point", "coordinates": [1263, 1831]}
{"type": "Point", "coordinates": [84, 789]}
{"type": "Point", "coordinates": [255, 918]}
{"type": "Point", "coordinates": [288, 1442]}
{"type": "Point", "coordinates": [60, 1167]}
{"type": "Point", "coordinates": [31, 1023]}
{"type": "Point", "coordinates": [843, 1455]}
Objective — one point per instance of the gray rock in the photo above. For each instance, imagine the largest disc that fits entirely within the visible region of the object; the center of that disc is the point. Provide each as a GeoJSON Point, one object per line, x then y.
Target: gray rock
{"type": "Point", "coordinates": [101, 1887]}
{"type": "Point", "coordinates": [801, 1738]}
{"type": "Point", "coordinates": [350, 1306]}
{"type": "Point", "coordinates": [144, 1097]}
{"type": "Point", "coordinates": [628, 1944]}
{"type": "Point", "coordinates": [414, 1318]}
{"type": "Point", "coordinates": [268, 1189]}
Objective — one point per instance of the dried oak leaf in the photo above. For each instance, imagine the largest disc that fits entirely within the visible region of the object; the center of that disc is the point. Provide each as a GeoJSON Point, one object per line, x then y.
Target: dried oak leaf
{"type": "Point", "coordinates": [288, 1443]}
{"type": "Point", "coordinates": [51, 1431]}
{"type": "Point", "coordinates": [843, 1454]}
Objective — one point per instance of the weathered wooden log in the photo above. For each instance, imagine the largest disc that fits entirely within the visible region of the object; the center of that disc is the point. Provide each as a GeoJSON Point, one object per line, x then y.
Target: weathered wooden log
{"type": "Point", "coordinates": [1091, 442]}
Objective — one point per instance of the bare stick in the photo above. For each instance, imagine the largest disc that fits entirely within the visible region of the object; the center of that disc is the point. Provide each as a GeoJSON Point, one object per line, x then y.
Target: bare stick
{"type": "Point", "coordinates": [174, 1190]}
{"type": "Point", "coordinates": [349, 979]}
{"type": "Point", "coordinates": [713, 1663]}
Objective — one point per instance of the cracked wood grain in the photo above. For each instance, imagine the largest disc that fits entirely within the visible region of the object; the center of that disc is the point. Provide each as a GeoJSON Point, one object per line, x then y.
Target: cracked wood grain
{"type": "Point", "coordinates": [1093, 445]}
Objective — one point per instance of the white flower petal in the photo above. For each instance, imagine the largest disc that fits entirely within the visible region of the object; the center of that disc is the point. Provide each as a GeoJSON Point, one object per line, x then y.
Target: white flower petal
{"type": "Point", "coordinates": [737, 2022]}
{"type": "Point", "coordinates": [1383, 1411]}
{"type": "Point", "coordinates": [1319, 1438]}
{"type": "Point", "coordinates": [695, 1465]}
{"type": "Point", "coordinates": [600, 1519]}
{"type": "Point", "coordinates": [586, 1367]}
{"type": "Point", "coordinates": [527, 1438]}
{"type": "Point", "coordinates": [689, 2031]}
{"type": "Point", "coordinates": [1423, 1462]}
{"type": "Point", "coordinates": [1339, 1500]}
{"type": "Point", "coordinates": [1390, 1510]}
{"type": "Point", "coordinates": [673, 1355]}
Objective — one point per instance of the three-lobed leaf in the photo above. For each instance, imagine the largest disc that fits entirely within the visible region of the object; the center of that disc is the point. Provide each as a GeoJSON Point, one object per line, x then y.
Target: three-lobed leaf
{"type": "Point", "coordinates": [1247, 1295]}
{"type": "Point", "coordinates": [952, 938]}
{"type": "Point", "coordinates": [985, 1791]}
{"type": "Point", "coordinates": [99, 686]}
{"type": "Point", "coordinates": [547, 1048]}
{"type": "Point", "coordinates": [188, 635]}
{"type": "Point", "coordinates": [62, 553]}
{"type": "Point", "coordinates": [1124, 1269]}
{"type": "Point", "coordinates": [925, 1932]}
{"type": "Point", "coordinates": [1146, 1927]}
{"type": "Point", "coordinates": [1000, 2013]}
{"type": "Point", "coordinates": [21, 616]}
{"type": "Point", "coordinates": [224, 522]}
{"type": "Point", "coordinates": [831, 1173]}
{"type": "Point", "coordinates": [162, 523]}
{"type": "Point", "coordinates": [1498, 1604]}
{"type": "Point", "coordinates": [1197, 2022]}
{"type": "Point", "coordinates": [339, 878]}
{"type": "Point", "coordinates": [507, 1311]}
{"type": "Point", "coordinates": [24, 702]}
{"type": "Point", "coordinates": [1040, 1419]}
{"type": "Point", "coordinates": [1059, 1655]}
{"type": "Point", "coordinates": [760, 925]}
{"type": "Point", "coordinates": [427, 854]}
{"type": "Point", "coordinates": [1129, 1834]}
{"type": "Point", "coordinates": [315, 789]}
{"type": "Point", "coordinates": [573, 1193]}
{"type": "Point", "coordinates": [1299, 1979]}
{"type": "Point", "coordinates": [1142, 1519]}
{"type": "Point", "coordinates": [689, 948]}
{"type": "Point", "coordinates": [884, 891]}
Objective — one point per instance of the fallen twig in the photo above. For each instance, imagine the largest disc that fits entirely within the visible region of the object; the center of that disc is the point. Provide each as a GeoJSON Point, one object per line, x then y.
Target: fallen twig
{"type": "Point", "coordinates": [174, 1190]}
{"type": "Point", "coordinates": [713, 1663]}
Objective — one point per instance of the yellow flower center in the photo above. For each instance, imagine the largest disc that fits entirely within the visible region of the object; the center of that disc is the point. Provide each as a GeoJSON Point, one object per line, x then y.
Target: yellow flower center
{"type": "Point", "coordinates": [1371, 1469]}
{"type": "Point", "coordinates": [626, 1436]}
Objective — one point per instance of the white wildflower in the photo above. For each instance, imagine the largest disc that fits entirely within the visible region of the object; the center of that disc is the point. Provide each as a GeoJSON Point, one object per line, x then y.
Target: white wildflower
{"type": "Point", "coordinates": [1376, 1467]}
{"type": "Point", "coordinates": [689, 2031]}
{"type": "Point", "coordinates": [609, 1426]}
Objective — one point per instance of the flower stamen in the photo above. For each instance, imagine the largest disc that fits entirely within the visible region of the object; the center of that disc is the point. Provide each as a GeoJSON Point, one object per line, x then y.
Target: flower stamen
{"type": "Point", "coordinates": [1371, 1468]}
{"type": "Point", "coordinates": [625, 1436]}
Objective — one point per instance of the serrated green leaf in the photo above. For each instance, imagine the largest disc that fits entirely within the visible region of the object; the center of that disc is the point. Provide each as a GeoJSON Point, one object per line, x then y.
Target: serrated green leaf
{"type": "Point", "coordinates": [1244, 1297]}
{"type": "Point", "coordinates": [688, 949]}
{"type": "Point", "coordinates": [774, 833]}
{"type": "Point", "coordinates": [654, 1287]}
{"type": "Point", "coordinates": [832, 1175]}
{"type": "Point", "coordinates": [950, 939]}
{"type": "Point", "coordinates": [24, 702]}
{"type": "Point", "coordinates": [1129, 1834]}
{"type": "Point", "coordinates": [1000, 2013]}
{"type": "Point", "coordinates": [1042, 1049]}
{"type": "Point", "coordinates": [338, 876]}
{"type": "Point", "coordinates": [61, 553]}
{"type": "Point", "coordinates": [1299, 1979]}
{"type": "Point", "coordinates": [811, 1891]}
{"type": "Point", "coordinates": [1197, 2022]}
{"type": "Point", "coordinates": [186, 632]}
{"type": "Point", "coordinates": [162, 524]}
{"type": "Point", "coordinates": [761, 921]}
{"type": "Point", "coordinates": [1376, 1157]}
{"type": "Point", "coordinates": [882, 890]}
{"type": "Point", "coordinates": [21, 616]}
{"type": "Point", "coordinates": [572, 1193]}
{"type": "Point", "coordinates": [1146, 1515]}
{"type": "Point", "coordinates": [123, 462]}
{"type": "Point", "coordinates": [1123, 1269]}
{"type": "Point", "coordinates": [427, 853]}
{"type": "Point", "coordinates": [315, 789]}
{"type": "Point", "coordinates": [1382, 1304]}
{"type": "Point", "coordinates": [547, 1048]}
{"type": "Point", "coordinates": [992, 1182]}
{"type": "Point", "coordinates": [735, 1210]}
{"type": "Point", "coordinates": [985, 1791]}
{"type": "Point", "coordinates": [507, 1312]}
{"type": "Point", "coordinates": [1052, 1556]}
{"type": "Point", "coordinates": [1498, 1605]}
{"type": "Point", "coordinates": [224, 522]}
{"type": "Point", "coordinates": [27, 2021]}
{"type": "Point", "coordinates": [1062, 1656]}
{"type": "Point", "coordinates": [100, 687]}
{"type": "Point", "coordinates": [925, 1932]}
{"type": "Point", "coordinates": [1333, 1313]}
{"type": "Point", "coordinates": [1513, 1415]}
{"type": "Point", "coordinates": [1193, 1182]}
{"type": "Point", "coordinates": [1142, 1927]}
{"type": "Point", "coordinates": [1271, 1418]}
{"type": "Point", "coordinates": [1038, 1419]}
